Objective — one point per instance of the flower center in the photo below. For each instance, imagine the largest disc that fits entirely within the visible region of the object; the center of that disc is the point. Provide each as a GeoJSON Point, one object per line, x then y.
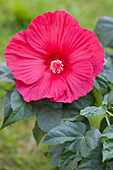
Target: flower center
{"type": "Point", "coordinates": [56, 66]}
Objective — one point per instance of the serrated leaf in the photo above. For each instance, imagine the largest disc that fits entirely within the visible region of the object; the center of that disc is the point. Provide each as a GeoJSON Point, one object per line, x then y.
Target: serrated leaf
{"type": "Point", "coordinates": [108, 132]}
{"type": "Point", "coordinates": [93, 161]}
{"type": "Point", "coordinates": [107, 150]}
{"type": "Point", "coordinates": [66, 132]}
{"type": "Point", "coordinates": [49, 117]}
{"type": "Point", "coordinates": [91, 111]}
{"type": "Point", "coordinates": [5, 73]}
{"type": "Point", "coordinates": [77, 142]}
{"type": "Point", "coordinates": [74, 151]}
{"type": "Point", "coordinates": [21, 109]}
{"type": "Point", "coordinates": [104, 31]}
{"type": "Point", "coordinates": [37, 133]}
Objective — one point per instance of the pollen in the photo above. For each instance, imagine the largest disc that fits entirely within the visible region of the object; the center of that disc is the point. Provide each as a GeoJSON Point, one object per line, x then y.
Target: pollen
{"type": "Point", "coordinates": [56, 66]}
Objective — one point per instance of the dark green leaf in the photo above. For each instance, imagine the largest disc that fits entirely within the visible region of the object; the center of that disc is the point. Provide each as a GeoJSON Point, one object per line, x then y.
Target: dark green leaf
{"type": "Point", "coordinates": [49, 117]}
{"type": "Point", "coordinates": [109, 97]}
{"type": "Point", "coordinates": [108, 132]}
{"type": "Point", "coordinates": [8, 111]}
{"type": "Point", "coordinates": [5, 73]}
{"type": "Point", "coordinates": [68, 131]}
{"type": "Point", "coordinates": [73, 109]}
{"type": "Point", "coordinates": [55, 155]}
{"type": "Point", "coordinates": [101, 83]}
{"type": "Point", "coordinates": [104, 31]}
{"type": "Point", "coordinates": [91, 111]}
{"type": "Point", "coordinates": [93, 161]}
{"type": "Point", "coordinates": [37, 133]}
{"type": "Point", "coordinates": [21, 109]}
{"type": "Point", "coordinates": [107, 149]}
{"type": "Point", "coordinates": [108, 69]}
{"type": "Point", "coordinates": [74, 151]}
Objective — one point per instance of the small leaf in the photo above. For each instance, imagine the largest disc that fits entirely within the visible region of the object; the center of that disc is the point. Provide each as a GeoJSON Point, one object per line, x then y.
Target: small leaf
{"type": "Point", "coordinates": [49, 117]}
{"type": "Point", "coordinates": [37, 133]}
{"type": "Point", "coordinates": [21, 109]}
{"type": "Point", "coordinates": [108, 132]}
{"type": "Point", "coordinates": [104, 31]}
{"type": "Point", "coordinates": [107, 150]}
{"type": "Point", "coordinates": [91, 111]}
{"type": "Point", "coordinates": [93, 161]}
{"type": "Point", "coordinates": [5, 73]}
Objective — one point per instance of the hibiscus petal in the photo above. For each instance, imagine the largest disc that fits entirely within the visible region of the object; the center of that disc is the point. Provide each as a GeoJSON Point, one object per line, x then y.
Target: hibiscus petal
{"type": "Point", "coordinates": [82, 44]}
{"type": "Point", "coordinates": [79, 80]}
{"type": "Point", "coordinates": [46, 31]}
{"type": "Point", "coordinates": [49, 86]}
{"type": "Point", "coordinates": [26, 64]}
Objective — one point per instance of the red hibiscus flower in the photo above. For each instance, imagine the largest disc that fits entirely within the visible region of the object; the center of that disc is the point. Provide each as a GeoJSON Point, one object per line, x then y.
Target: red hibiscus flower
{"type": "Point", "coordinates": [54, 58]}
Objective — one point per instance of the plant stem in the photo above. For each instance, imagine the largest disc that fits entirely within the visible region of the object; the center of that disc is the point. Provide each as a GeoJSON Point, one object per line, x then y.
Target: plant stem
{"type": "Point", "coordinates": [109, 113]}
{"type": "Point", "coordinates": [107, 119]}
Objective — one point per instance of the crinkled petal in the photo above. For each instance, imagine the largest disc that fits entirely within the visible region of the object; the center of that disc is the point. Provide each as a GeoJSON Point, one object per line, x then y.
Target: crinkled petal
{"type": "Point", "coordinates": [49, 86]}
{"type": "Point", "coordinates": [82, 44]}
{"type": "Point", "coordinates": [79, 80]}
{"type": "Point", "coordinates": [26, 64]}
{"type": "Point", "coordinates": [46, 31]}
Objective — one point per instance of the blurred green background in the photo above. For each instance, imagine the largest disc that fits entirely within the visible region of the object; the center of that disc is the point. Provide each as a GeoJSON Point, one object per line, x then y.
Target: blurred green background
{"type": "Point", "coordinates": [18, 150]}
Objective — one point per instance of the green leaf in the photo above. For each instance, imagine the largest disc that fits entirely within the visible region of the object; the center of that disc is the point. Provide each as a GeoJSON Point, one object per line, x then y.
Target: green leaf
{"type": "Point", "coordinates": [93, 161]}
{"type": "Point", "coordinates": [107, 149]}
{"type": "Point", "coordinates": [101, 83]}
{"type": "Point", "coordinates": [66, 132]}
{"type": "Point", "coordinates": [74, 151]}
{"type": "Point", "coordinates": [4, 102]}
{"type": "Point", "coordinates": [5, 73]}
{"type": "Point", "coordinates": [98, 96]}
{"type": "Point", "coordinates": [108, 132]}
{"type": "Point", "coordinates": [21, 109]}
{"type": "Point", "coordinates": [77, 142]}
{"type": "Point", "coordinates": [37, 133]}
{"type": "Point", "coordinates": [8, 111]}
{"type": "Point", "coordinates": [109, 97]}
{"type": "Point", "coordinates": [108, 69]}
{"type": "Point", "coordinates": [73, 109]}
{"type": "Point", "coordinates": [104, 31]}
{"type": "Point", "coordinates": [55, 155]}
{"type": "Point", "coordinates": [91, 111]}
{"type": "Point", "coordinates": [49, 117]}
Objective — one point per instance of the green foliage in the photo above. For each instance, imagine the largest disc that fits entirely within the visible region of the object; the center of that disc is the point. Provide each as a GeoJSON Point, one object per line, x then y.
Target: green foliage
{"type": "Point", "coordinates": [94, 161]}
{"type": "Point", "coordinates": [48, 117]}
{"type": "Point", "coordinates": [37, 133]}
{"type": "Point", "coordinates": [107, 149]}
{"type": "Point", "coordinates": [108, 132]}
{"type": "Point", "coordinates": [91, 111]}
{"type": "Point", "coordinates": [104, 31]}
{"type": "Point", "coordinates": [75, 144]}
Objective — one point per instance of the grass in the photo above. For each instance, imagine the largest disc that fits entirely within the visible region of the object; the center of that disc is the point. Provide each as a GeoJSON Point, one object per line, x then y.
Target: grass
{"type": "Point", "coordinates": [18, 149]}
